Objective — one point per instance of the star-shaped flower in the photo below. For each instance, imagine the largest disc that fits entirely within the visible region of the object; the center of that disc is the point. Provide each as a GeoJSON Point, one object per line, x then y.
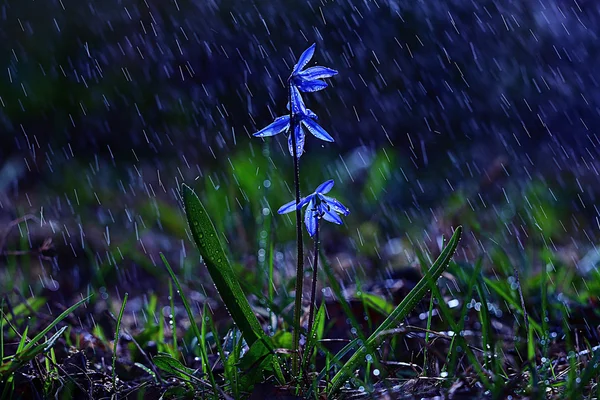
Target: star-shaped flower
{"type": "Point", "coordinates": [309, 80]}
{"type": "Point", "coordinates": [319, 206]}
{"type": "Point", "coordinates": [305, 119]}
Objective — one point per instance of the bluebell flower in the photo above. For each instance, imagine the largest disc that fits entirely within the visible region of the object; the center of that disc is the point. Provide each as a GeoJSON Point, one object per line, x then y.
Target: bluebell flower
{"type": "Point", "coordinates": [319, 206]}
{"type": "Point", "coordinates": [305, 119]}
{"type": "Point", "coordinates": [309, 80]}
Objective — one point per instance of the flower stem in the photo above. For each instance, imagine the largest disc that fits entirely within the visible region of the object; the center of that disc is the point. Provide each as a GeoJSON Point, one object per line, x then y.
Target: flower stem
{"type": "Point", "coordinates": [300, 255]}
{"type": "Point", "coordinates": [313, 289]}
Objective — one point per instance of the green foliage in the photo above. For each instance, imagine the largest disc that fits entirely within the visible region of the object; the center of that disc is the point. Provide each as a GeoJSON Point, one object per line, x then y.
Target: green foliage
{"type": "Point", "coordinates": [56, 321]}
{"type": "Point", "coordinates": [174, 367]}
{"type": "Point", "coordinates": [194, 326]}
{"type": "Point", "coordinates": [27, 353]}
{"type": "Point", "coordinates": [116, 342]}
{"type": "Point", "coordinates": [220, 270]}
{"type": "Point", "coordinates": [380, 174]}
{"type": "Point", "coordinates": [29, 349]}
{"type": "Point", "coordinates": [399, 313]}
{"type": "Point", "coordinates": [226, 282]}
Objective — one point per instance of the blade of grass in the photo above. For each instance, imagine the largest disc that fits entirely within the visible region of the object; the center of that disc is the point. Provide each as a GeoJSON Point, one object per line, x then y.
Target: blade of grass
{"type": "Point", "coordinates": [56, 321]}
{"type": "Point", "coordinates": [193, 324]}
{"type": "Point", "coordinates": [203, 343]}
{"type": "Point", "coordinates": [429, 318]}
{"type": "Point", "coordinates": [148, 371]}
{"type": "Point", "coordinates": [337, 291]}
{"type": "Point", "coordinates": [399, 313]}
{"type": "Point", "coordinates": [229, 373]}
{"type": "Point", "coordinates": [25, 355]}
{"type": "Point", "coordinates": [510, 300]}
{"type": "Point", "coordinates": [472, 279]}
{"type": "Point", "coordinates": [447, 316]}
{"type": "Point", "coordinates": [173, 324]}
{"type": "Point", "coordinates": [590, 372]}
{"type": "Point", "coordinates": [271, 284]}
{"type": "Point", "coordinates": [486, 329]}
{"type": "Point", "coordinates": [116, 344]}
{"type": "Point", "coordinates": [312, 337]}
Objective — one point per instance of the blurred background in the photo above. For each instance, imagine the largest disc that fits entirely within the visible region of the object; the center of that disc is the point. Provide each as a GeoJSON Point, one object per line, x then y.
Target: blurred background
{"type": "Point", "coordinates": [482, 113]}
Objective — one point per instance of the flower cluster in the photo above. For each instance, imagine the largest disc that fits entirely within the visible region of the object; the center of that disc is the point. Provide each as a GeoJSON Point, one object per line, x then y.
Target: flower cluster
{"type": "Point", "coordinates": [319, 206]}
{"type": "Point", "coordinates": [307, 80]}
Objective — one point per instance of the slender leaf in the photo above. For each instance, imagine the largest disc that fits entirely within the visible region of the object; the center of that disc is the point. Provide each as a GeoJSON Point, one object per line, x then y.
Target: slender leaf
{"type": "Point", "coordinates": [194, 325]}
{"type": "Point", "coordinates": [399, 313]}
{"type": "Point", "coordinates": [116, 344]}
{"type": "Point", "coordinates": [315, 332]}
{"type": "Point", "coordinates": [28, 353]}
{"type": "Point", "coordinates": [205, 236]}
{"type": "Point", "coordinates": [56, 321]}
{"type": "Point", "coordinates": [227, 284]}
{"type": "Point", "coordinates": [173, 366]}
{"type": "Point", "coordinates": [447, 316]}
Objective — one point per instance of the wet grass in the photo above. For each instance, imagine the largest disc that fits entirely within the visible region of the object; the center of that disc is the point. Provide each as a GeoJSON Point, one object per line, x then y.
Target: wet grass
{"type": "Point", "coordinates": [515, 314]}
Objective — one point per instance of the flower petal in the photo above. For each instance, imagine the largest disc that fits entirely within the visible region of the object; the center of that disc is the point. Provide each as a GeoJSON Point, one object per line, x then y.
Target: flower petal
{"type": "Point", "coordinates": [298, 106]}
{"type": "Point", "coordinates": [279, 125]}
{"type": "Point", "coordinates": [325, 187]}
{"type": "Point", "coordinates": [310, 219]}
{"type": "Point", "coordinates": [287, 207]}
{"type": "Point", "coordinates": [331, 216]}
{"type": "Point", "coordinates": [316, 130]}
{"type": "Point", "coordinates": [304, 59]}
{"type": "Point", "coordinates": [313, 73]}
{"type": "Point", "coordinates": [305, 200]}
{"type": "Point", "coordinates": [334, 204]}
{"type": "Point", "coordinates": [311, 114]}
{"type": "Point", "coordinates": [300, 138]}
{"type": "Point", "coordinates": [310, 86]}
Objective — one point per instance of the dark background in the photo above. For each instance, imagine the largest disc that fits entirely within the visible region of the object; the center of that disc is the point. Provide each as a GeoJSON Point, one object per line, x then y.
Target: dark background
{"type": "Point", "coordinates": [471, 79]}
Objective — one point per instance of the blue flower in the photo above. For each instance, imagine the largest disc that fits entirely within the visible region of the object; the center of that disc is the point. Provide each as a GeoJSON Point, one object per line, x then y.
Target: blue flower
{"type": "Point", "coordinates": [309, 80]}
{"type": "Point", "coordinates": [319, 206]}
{"type": "Point", "coordinates": [305, 119]}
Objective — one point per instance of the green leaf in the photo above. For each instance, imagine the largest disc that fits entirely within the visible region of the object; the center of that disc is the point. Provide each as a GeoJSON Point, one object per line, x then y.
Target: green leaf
{"type": "Point", "coordinates": [148, 371]}
{"type": "Point", "coordinates": [116, 342]}
{"type": "Point", "coordinates": [219, 268]}
{"type": "Point", "coordinates": [282, 340]}
{"type": "Point", "coordinates": [258, 359]}
{"type": "Point", "coordinates": [316, 333]}
{"type": "Point", "coordinates": [172, 366]}
{"type": "Point", "coordinates": [504, 290]}
{"type": "Point", "coordinates": [449, 319]}
{"type": "Point", "coordinates": [194, 326]}
{"type": "Point", "coordinates": [58, 319]}
{"type": "Point", "coordinates": [28, 353]}
{"type": "Point", "coordinates": [378, 303]}
{"type": "Point", "coordinates": [396, 316]}
{"type": "Point", "coordinates": [218, 265]}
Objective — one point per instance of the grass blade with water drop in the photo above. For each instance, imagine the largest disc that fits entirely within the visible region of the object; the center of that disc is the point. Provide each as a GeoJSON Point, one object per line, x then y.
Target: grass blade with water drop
{"type": "Point", "coordinates": [219, 268]}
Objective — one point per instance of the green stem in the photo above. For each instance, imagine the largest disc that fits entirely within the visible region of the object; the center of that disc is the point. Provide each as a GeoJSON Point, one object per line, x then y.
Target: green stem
{"type": "Point", "coordinates": [300, 255]}
{"type": "Point", "coordinates": [313, 290]}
